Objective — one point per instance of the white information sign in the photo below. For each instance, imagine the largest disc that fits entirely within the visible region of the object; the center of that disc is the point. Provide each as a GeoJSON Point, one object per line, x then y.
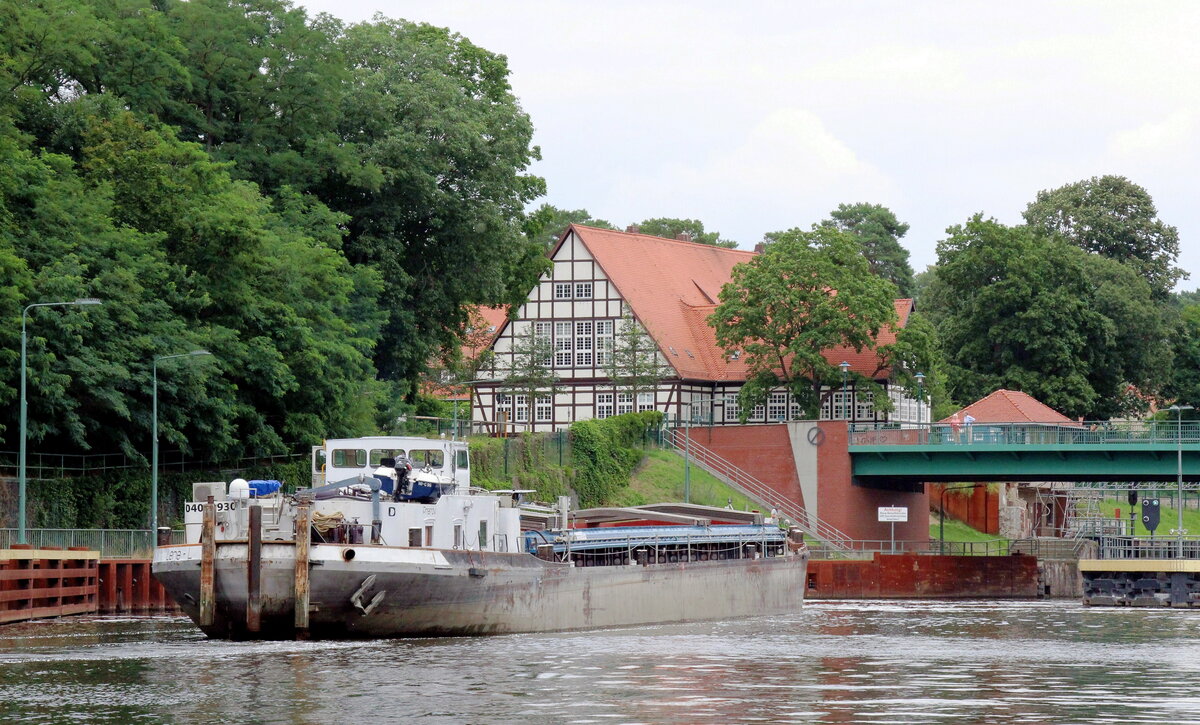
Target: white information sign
{"type": "Point", "coordinates": [893, 513]}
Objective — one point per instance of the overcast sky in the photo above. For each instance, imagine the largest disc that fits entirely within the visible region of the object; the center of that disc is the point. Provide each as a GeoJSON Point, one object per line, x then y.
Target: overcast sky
{"type": "Point", "coordinates": [760, 116]}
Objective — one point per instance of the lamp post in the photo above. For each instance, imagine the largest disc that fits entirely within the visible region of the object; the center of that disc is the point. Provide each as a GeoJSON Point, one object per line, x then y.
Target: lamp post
{"type": "Point", "coordinates": [687, 448]}
{"type": "Point", "coordinates": [154, 436]}
{"type": "Point", "coordinates": [845, 366]}
{"type": "Point", "coordinates": [1179, 474]}
{"type": "Point", "coordinates": [942, 513]}
{"type": "Point", "coordinates": [25, 408]}
{"type": "Point", "coordinates": [920, 397]}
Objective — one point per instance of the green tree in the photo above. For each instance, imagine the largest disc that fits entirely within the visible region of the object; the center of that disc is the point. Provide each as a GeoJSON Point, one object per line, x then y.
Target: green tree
{"type": "Point", "coordinates": [669, 228]}
{"type": "Point", "coordinates": [807, 293]}
{"type": "Point", "coordinates": [434, 113]}
{"type": "Point", "coordinates": [1184, 386]}
{"type": "Point", "coordinates": [634, 364]}
{"type": "Point", "coordinates": [548, 222]}
{"type": "Point", "coordinates": [1115, 218]}
{"type": "Point", "coordinates": [879, 233]}
{"type": "Point", "coordinates": [1017, 309]}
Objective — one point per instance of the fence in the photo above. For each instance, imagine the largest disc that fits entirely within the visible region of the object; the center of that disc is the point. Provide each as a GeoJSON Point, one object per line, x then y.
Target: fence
{"type": "Point", "coordinates": [111, 543]}
{"type": "Point", "coordinates": [64, 465]}
{"type": "Point", "coordinates": [866, 548]}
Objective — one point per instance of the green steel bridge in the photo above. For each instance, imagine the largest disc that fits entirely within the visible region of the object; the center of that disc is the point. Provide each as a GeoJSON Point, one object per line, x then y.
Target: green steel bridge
{"type": "Point", "coordinates": [1088, 451]}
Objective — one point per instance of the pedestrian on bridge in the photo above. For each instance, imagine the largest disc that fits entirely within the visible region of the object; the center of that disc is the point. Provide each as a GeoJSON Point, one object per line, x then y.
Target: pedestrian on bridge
{"type": "Point", "coordinates": [955, 426]}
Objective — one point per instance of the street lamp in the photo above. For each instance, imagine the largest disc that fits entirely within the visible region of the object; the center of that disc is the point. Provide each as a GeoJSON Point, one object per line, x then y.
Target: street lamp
{"type": "Point", "coordinates": [920, 396]}
{"type": "Point", "coordinates": [1179, 476]}
{"type": "Point", "coordinates": [845, 366]}
{"type": "Point", "coordinates": [154, 436]}
{"type": "Point", "coordinates": [24, 410]}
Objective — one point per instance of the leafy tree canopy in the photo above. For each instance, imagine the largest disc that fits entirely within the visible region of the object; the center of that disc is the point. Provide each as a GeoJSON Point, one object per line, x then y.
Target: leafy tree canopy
{"type": "Point", "coordinates": [807, 293]}
{"type": "Point", "coordinates": [1021, 310]}
{"type": "Point", "coordinates": [879, 232]}
{"type": "Point", "coordinates": [694, 228]}
{"type": "Point", "coordinates": [1115, 218]}
{"type": "Point", "coordinates": [548, 222]}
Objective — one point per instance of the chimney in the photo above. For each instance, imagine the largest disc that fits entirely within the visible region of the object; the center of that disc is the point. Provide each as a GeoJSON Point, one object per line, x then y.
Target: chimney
{"type": "Point", "coordinates": [760, 248]}
{"type": "Point", "coordinates": [633, 229]}
{"type": "Point", "coordinates": [683, 237]}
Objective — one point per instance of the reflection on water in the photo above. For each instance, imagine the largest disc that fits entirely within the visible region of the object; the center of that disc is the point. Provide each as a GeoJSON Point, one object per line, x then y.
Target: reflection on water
{"type": "Point", "coordinates": [832, 662]}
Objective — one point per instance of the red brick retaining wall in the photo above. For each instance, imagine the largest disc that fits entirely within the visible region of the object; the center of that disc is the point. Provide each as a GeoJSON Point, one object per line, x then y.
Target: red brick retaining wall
{"type": "Point", "coordinates": [916, 576]}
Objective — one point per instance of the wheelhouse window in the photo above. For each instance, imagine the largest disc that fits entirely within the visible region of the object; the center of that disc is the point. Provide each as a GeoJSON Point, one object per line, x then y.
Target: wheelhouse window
{"type": "Point", "coordinates": [349, 458]}
{"type": "Point", "coordinates": [432, 457]}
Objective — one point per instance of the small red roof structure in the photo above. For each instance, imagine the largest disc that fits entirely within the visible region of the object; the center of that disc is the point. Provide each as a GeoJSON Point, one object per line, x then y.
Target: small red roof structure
{"type": "Point", "coordinates": [1011, 406]}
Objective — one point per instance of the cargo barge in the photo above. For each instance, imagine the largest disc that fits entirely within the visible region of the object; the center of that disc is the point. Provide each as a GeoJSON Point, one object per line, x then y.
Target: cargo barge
{"type": "Point", "coordinates": [398, 544]}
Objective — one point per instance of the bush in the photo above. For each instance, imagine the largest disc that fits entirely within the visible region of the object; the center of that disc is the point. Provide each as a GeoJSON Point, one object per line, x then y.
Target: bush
{"type": "Point", "coordinates": [605, 453]}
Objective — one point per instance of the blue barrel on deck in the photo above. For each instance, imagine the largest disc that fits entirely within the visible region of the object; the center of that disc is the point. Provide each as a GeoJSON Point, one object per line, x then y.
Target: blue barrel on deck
{"type": "Point", "coordinates": [260, 488]}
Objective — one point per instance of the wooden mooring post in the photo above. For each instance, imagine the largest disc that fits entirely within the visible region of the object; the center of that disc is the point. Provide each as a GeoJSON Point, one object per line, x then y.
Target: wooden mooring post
{"type": "Point", "coordinates": [254, 570]}
{"type": "Point", "coordinates": [208, 552]}
{"type": "Point", "coordinates": [303, 537]}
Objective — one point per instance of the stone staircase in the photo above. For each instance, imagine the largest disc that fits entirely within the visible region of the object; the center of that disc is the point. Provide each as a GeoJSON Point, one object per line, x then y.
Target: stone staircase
{"type": "Point", "coordinates": [741, 481]}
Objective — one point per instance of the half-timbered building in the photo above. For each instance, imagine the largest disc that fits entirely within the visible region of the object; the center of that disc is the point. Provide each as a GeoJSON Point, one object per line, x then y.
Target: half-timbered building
{"type": "Point", "coordinates": [669, 287]}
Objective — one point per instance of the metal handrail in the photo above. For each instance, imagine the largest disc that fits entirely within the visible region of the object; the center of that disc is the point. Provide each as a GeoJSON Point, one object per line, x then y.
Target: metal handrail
{"type": "Point", "coordinates": [756, 489]}
{"type": "Point", "coordinates": [1147, 432]}
{"type": "Point", "coordinates": [111, 543]}
{"type": "Point", "coordinates": [867, 548]}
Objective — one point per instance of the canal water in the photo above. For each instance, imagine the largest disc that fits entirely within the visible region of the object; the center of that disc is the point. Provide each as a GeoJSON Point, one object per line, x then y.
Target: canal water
{"type": "Point", "coordinates": [832, 662]}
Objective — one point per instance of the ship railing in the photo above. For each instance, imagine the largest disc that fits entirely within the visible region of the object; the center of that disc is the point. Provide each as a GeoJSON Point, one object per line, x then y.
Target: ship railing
{"type": "Point", "coordinates": [752, 487]}
{"type": "Point", "coordinates": [111, 543]}
{"type": "Point", "coordinates": [630, 543]}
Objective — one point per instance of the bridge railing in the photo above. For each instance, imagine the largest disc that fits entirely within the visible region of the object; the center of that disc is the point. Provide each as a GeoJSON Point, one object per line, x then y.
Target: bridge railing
{"type": "Point", "coordinates": [1153, 432]}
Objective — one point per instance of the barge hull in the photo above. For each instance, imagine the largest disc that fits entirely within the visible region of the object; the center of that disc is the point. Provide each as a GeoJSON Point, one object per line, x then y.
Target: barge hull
{"type": "Point", "coordinates": [387, 592]}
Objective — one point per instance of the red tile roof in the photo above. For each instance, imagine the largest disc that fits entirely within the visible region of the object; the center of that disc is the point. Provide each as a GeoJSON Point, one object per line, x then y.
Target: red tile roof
{"type": "Point", "coordinates": [672, 288]}
{"type": "Point", "coordinates": [1011, 406]}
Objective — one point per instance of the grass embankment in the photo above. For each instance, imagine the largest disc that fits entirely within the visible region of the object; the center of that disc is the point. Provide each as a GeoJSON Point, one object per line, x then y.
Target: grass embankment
{"type": "Point", "coordinates": [1168, 517]}
{"type": "Point", "coordinates": [659, 478]}
{"type": "Point", "coordinates": [957, 531]}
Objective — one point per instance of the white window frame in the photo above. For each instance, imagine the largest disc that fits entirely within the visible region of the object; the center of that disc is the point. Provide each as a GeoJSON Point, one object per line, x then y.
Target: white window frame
{"type": "Point", "coordinates": [731, 407]}
{"type": "Point", "coordinates": [520, 408]}
{"type": "Point", "coordinates": [504, 404]}
{"type": "Point", "coordinates": [777, 407]}
{"type": "Point", "coordinates": [604, 342]}
{"type": "Point", "coordinates": [624, 403]}
{"type": "Point", "coordinates": [864, 405]}
{"type": "Point", "coordinates": [604, 405]}
{"type": "Point", "coordinates": [564, 353]}
{"type": "Point", "coordinates": [544, 408]}
{"type": "Point", "coordinates": [645, 401]}
{"type": "Point", "coordinates": [562, 290]}
{"type": "Point", "coordinates": [583, 344]}
{"type": "Point", "coordinates": [541, 331]}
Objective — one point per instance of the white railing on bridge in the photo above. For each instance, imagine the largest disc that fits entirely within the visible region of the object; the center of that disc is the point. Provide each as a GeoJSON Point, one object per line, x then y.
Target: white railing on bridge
{"type": "Point", "coordinates": [1152, 432]}
{"type": "Point", "coordinates": [757, 490]}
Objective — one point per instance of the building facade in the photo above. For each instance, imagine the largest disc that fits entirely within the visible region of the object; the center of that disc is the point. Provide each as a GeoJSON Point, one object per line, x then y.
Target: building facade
{"type": "Point", "coordinates": [574, 318]}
